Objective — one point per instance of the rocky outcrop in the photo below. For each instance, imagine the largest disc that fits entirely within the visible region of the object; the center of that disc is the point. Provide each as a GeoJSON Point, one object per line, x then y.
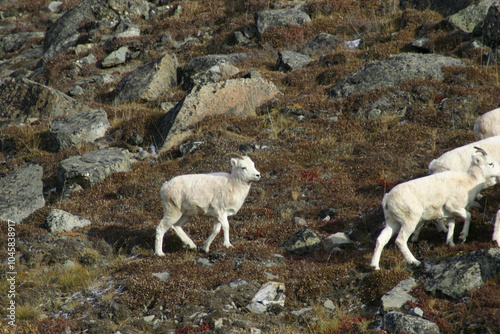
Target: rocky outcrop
{"type": "Point", "coordinates": [268, 19]}
{"type": "Point", "coordinates": [395, 322]}
{"type": "Point", "coordinates": [149, 81]}
{"type": "Point", "coordinates": [61, 221]}
{"type": "Point", "coordinates": [24, 100]}
{"type": "Point", "coordinates": [91, 168]}
{"type": "Point", "coordinates": [392, 71]}
{"type": "Point", "coordinates": [456, 276]}
{"type": "Point", "coordinates": [289, 61]}
{"type": "Point", "coordinates": [239, 97]}
{"type": "Point", "coordinates": [21, 193]}
{"type": "Point", "coordinates": [84, 127]}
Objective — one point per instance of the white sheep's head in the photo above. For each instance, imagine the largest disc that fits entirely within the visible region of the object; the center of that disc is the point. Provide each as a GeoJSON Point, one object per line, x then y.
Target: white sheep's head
{"type": "Point", "coordinates": [244, 169]}
{"type": "Point", "coordinates": [490, 167]}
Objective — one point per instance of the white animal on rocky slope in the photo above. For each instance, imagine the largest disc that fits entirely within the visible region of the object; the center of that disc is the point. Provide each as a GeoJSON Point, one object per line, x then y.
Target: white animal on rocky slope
{"type": "Point", "coordinates": [445, 195]}
{"type": "Point", "coordinates": [217, 195]}
{"type": "Point", "coordinates": [488, 124]}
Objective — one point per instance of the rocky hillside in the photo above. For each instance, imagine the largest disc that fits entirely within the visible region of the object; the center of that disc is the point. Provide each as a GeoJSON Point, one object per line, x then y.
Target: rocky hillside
{"type": "Point", "coordinates": [336, 101]}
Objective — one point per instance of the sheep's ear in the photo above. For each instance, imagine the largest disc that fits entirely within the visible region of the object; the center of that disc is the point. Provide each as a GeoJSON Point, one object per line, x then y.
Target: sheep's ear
{"type": "Point", "coordinates": [234, 162]}
{"type": "Point", "coordinates": [477, 158]}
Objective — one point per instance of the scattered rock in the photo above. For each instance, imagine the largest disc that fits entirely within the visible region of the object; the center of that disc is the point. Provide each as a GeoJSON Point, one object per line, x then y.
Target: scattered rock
{"type": "Point", "coordinates": [83, 127]}
{"type": "Point", "coordinates": [163, 275]}
{"type": "Point", "coordinates": [396, 322]}
{"type": "Point", "coordinates": [270, 294]}
{"type": "Point", "coordinates": [268, 19]}
{"type": "Point", "coordinates": [323, 43]}
{"type": "Point", "coordinates": [332, 243]}
{"type": "Point", "coordinates": [13, 42]}
{"type": "Point", "coordinates": [392, 71]}
{"type": "Point", "coordinates": [61, 221]}
{"type": "Point", "coordinates": [149, 81]}
{"type": "Point", "coordinates": [395, 299]}
{"type": "Point", "coordinates": [469, 17]}
{"type": "Point", "coordinates": [289, 61]}
{"type": "Point", "coordinates": [304, 241]}
{"type": "Point", "coordinates": [91, 168]}
{"type": "Point", "coordinates": [116, 58]}
{"type": "Point", "coordinates": [238, 97]}
{"type": "Point", "coordinates": [25, 100]}
{"type": "Point", "coordinates": [21, 193]}
{"type": "Point", "coordinates": [456, 276]}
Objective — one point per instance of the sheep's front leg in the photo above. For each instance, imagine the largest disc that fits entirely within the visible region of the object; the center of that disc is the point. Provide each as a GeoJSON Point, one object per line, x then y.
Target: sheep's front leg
{"type": "Point", "coordinates": [465, 230]}
{"type": "Point", "coordinates": [216, 230]}
{"type": "Point", "coordinates": [162, 228]}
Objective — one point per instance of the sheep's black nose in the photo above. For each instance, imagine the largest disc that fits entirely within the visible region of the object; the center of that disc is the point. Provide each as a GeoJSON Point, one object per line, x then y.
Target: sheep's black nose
{"type": "Point", "coordinates": [257, 176]}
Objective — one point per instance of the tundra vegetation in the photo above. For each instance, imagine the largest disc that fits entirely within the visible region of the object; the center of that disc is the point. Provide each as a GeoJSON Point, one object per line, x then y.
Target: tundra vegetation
{"type": "Point", "coordinates": [324, 153]}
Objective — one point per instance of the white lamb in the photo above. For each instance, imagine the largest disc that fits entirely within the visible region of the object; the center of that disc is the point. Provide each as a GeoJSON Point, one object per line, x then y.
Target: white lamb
{"type": "Point", "coordinates": [488, 124]}
{"type": "Point", "coordinates": [443, 195]}
{"type": "Point", "coordinates": [217, 195]}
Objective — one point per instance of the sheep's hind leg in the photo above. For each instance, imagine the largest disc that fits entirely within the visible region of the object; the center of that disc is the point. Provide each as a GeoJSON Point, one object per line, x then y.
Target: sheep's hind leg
{"type": "Point", "coordinates": [391, 229]}
{"type": "Point", "coordinates": [161, 229]}
{"type": "Point", "coordinates": [181, 234]}
{"type": "Point", "coordinates": [208, 242]}
{"type": "Point", "coordinates": [401, 242]}
{"type": "Point", "coordinates": [451, 230]}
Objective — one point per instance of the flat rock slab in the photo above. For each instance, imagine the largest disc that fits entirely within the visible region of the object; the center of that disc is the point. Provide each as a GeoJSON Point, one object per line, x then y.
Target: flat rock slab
{"type": "Point", "coordinates": [456, 276]}
{"type": "Point", "coordinates": [238, 97]}
{"type": "Point", "coordinates": [268, 19]}
{"type": "Point", "coordinates": [21, 193]}
{"type": "Point", "coordinates": [397, 297]}
{"type": "Point", "coordinates": [91, 168]}
{"type": "Point", "coordinates": [25, 100]}
{"type": "Point", "coordinates": [62, 221]}
{"type": "Point", "coordinates": [392, 71]}
{"type": "Point", "coordinates": [82, 127]}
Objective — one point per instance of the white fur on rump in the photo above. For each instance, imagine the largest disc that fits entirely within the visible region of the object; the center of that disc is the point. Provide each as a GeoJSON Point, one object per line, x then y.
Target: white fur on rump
{"type": "Point", "coordinates": [488, 124]}
{"type": "Point", "coordinates": [444, 195]}
{"type": "Point", "coordinates": [217, 195]}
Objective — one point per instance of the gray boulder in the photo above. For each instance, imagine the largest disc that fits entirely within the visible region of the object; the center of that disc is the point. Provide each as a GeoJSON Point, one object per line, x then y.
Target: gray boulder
{"type": "Point", "coordinates": [289, 61]}
{"type": "Point", "coordinates": [239, 97]}
{"type": "Point", "coordinates": [82, 127]}
{"type": "Point", "coordinates": [322, 43]}
{"type": "Point", "coordinates": [21, 193]}
{"type": "Point", "coordinates": [397, 297]}
{"type": "Point", "coordinates": [334, 241]}
{"type": "Point", "coordinates": [456, 276]}
{"type": "Point", "coordinates": [491, 26]}
{"type": "Point", "coordinates": [214, 74]}
{"type": "Point", "coordinates": [392, 71]}
{"type": "Point", "coordinates": [91, 168]}
{"type": "Point", "coordinates": [203, 64]}
{"type": "Point", "coordinates": [268, 19]}
{"type": "Point", "coordinates": [270, 294]}
{"type": "Point", "coordinates": [468, 18]}
{"type": "Point", "coordinates": [25, 100]}
{"type": "Point", "coordinates": [149, 81]}
{"type": "Point", "coordinates": [62, 221]}
{"type": "Point", "coordinates": [115, 58]}
{"type": "Point", "coordinates": [395, 322]}
{"type": "Point", "coordinates": [303, 242]}
{"type": "Point", "coordinates": [13, 42]}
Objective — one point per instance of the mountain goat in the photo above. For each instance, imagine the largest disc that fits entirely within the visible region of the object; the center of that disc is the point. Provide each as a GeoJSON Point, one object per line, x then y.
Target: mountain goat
{"type": "Point", "coordinates": [217, 195]}
{"type": "Point", "coordinates": [488, 124]}
{"type": "Point", "coordinates": [443, 195]}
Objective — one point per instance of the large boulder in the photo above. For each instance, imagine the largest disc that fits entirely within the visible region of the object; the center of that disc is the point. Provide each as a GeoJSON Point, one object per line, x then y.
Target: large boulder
{"type": "Point", "coordinates": [239, 97]}
{"type": "Point", "coordinates": [62, 221]}
{"type": "Point", "coordinates": [91, 168]}
{"type": "Point", "coordinates": [149, 81]}
{"type": "Point", "coordinates": [491, 26]}
{"type": "Point", "coordinates": [21, 193]}
{"type": "Point", "coordinates": [25, 100]}
{"type": "Point", "coordinates": [395, 322]}
{"type": "Point", "coordinates": [268, 19]}
{"type": "Point", "coordinates": [392, 71]}
{"type": "Point", "coordinates": [457, 275]}
{"type": "Point", "coordinates": [468, 18]}
{"type": "Point", "coordinates": [83, 127]}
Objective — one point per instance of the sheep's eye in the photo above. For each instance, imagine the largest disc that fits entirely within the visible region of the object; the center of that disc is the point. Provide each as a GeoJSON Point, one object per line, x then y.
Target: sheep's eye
{"type": "Point", "coordinates": [244, 168]}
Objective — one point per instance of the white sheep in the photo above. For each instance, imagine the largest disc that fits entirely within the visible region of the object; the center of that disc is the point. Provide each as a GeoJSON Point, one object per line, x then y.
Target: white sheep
{"type": "Point", "coordinates": [217, 195]}
{"type": "Point", "coordinates": [443, 195]}
{"type": "Point", "coordinates": [458, 159]}
{"type": "Point", "coordinates": [488, 124]}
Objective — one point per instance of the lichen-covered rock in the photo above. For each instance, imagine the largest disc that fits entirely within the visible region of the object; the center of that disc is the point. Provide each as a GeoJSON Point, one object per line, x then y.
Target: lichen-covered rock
{"type": "Point", "coordinates": [149, 81]}
{"type": "Point", "coordinates": [91, 168]}
{"type": "Point", "coordinates": [82, 127]}
{"type": "Point", "coordinates": [471, 16]}
{"type": "Point", "coordinates": [21, 193]}
{"type": "Point", "coordinates": [268, 19]}
{"type": "Point", "coordinates": [62, 221]}
{"type": "Point", "coordinates": [456, 276]}
{"type": "Point", "coordinates": [392, 71]}
{"type": "Point", "coordinates": [302, 242]}
{"type": "Point", "coordinates": [239, 97]}
{"type": "Point", "coordinates": [395, 322]}
{"type": "Point", "coordinates": [25, 100]}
